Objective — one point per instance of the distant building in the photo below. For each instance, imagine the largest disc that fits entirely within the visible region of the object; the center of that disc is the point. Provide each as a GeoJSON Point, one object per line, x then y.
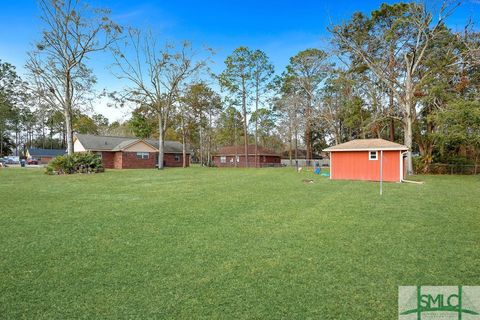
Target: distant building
{"type": "Point", "coordinates": [301, 159]}
{"type": "Point", "coordinates": [43, 155]}
{"type": "Point", "coordinates": [302, 154]}
{"type": "Point", "coordinates": [232, 156]}
{"type": "Point", "coordinates": [130, 153]}
{"type": "Point", "coordinates": [367, 159]}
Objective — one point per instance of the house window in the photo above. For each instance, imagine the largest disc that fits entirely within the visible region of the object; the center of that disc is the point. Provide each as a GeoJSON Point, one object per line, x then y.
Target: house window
{"type": "Point", "coordinates": [177, 158]}
{"type": "Point", "coordinates": [223, 159]}
{"type": "Point", "coordinates": [143, 155]}
{"type": "Point", "coordinates": [372, 155]}
{"type": "Point", "coordinates": [99, 154]}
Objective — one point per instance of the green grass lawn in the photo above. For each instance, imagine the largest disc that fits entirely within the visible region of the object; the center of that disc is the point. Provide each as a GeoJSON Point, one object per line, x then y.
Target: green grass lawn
{"type": "Point", "coordinates": [228, 243]}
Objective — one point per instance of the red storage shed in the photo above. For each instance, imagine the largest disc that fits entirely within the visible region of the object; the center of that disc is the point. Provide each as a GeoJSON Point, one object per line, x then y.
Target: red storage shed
{"type": "Point", "coordinates": [367, 159]}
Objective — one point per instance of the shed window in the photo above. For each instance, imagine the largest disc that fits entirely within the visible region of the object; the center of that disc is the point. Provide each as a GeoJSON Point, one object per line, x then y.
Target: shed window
{"type": "Point", "coordinates": [143, 155]}
{"type": "Point", "coordinates": [373, 155]}
{"type": "Point", "coordinates": [223, 159]}
{"type": "Point", "coordinates": [177, 158]}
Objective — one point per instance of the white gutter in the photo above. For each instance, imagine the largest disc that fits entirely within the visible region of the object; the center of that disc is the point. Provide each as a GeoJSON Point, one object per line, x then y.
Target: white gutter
{"type": "Point", "coordinates": [401, 165]}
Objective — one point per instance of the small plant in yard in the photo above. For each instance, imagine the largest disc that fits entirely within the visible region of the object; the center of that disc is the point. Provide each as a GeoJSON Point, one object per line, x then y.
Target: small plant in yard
{"type": "Point", "coordinates": [85, 162]}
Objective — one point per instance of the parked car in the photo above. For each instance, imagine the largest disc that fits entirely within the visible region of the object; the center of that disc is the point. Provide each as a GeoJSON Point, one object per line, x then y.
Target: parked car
{"type": "Point", "coordinates": [12, 160]}
{"type": "Point", "coordinates": [32, 161]}
{"type": "Point", "coordinates": [3, 163]}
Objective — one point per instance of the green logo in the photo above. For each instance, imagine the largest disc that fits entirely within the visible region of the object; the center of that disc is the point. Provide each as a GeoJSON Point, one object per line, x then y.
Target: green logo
{"type": "Point", "coordinates": [438, 302]}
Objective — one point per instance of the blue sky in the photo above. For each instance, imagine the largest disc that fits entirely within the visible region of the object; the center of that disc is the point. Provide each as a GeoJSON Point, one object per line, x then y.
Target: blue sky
{"type": "Point", "coordinates": [280, 28]}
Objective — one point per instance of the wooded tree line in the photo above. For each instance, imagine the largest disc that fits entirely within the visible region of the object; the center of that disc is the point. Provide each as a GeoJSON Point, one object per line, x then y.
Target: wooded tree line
{"type": "Point", "coordinates": [398, 73]}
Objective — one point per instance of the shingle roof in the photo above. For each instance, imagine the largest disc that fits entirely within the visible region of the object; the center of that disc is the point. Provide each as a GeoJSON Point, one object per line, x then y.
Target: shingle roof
{"type": "Point", "coordinates": [125, 144]}
{"type": "Point", "coordinates": [367, 144]}
{"type": "Point", "coordinates": [240, 150]}
{"type": "Point", "coordinates": [38, 152]}
{"type": "Point", "coordinates": [111, 143]}
{"type": "Point", "coordinates": [170, 146]}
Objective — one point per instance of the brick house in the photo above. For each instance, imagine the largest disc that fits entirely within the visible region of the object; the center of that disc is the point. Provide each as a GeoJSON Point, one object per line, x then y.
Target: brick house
{"type": "Point", "coordinates": [130, 153]}
{"type": "Point", "coordinates": [43, 155]}
{"type": "Point", "coordinates": [234, 156]}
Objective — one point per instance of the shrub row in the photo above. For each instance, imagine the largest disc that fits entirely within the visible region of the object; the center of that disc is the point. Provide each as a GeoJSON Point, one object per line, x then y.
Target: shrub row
{"type": "Point", "coordinates": [84, 162]}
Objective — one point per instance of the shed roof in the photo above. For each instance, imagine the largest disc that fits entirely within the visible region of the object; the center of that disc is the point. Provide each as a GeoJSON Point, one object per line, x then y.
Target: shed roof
{"type": "Point", "coordinates": [240, 150]}
{"type": "Point", "coordinates": [38, 152]}
{"type": "Point", "coordinates": [366, 145]}
{"type": "Point", "coordinates": [112, 143]}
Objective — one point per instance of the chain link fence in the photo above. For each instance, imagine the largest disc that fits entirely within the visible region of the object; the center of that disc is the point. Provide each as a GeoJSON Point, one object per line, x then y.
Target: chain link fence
{"type": "Point", "coordinates": [306, 163]}
{"type": "Point", "coordinates": [449, 168]}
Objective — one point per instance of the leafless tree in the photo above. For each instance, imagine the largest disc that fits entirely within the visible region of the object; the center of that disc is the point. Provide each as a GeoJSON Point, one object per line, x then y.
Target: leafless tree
{"type": "Point", "coordinates": [72, 32]}
{"type": "Point", "coordinates": [155, 75]}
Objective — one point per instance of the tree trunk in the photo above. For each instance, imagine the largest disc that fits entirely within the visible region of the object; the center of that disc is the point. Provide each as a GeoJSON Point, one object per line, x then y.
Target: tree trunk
{"type": "Point", "coordinates": [392, 129]}
{"type": "Point", "coordinates": [43, 133]}
{"type": "Point", "coordinates": [68, 113]}
{"type": "Point", "coordinates": [184, 148]}
{"type": "Point", "coordinates": [235, 138]}
{"type": "Point", "coordinates": [391, 103]}
{"type": "Point", "coordinates": [256, 125]}
{"type": "Point", "coordinates": [50, 134]}
{"type": "Point", "coordinates": [476, 163]}
{"type": "Point", "coordinates": [69, 133]}
{"type": "Point", "coordinates": [161, 143]}
{"type": "Point", "coordinates": [17, 138]}
{"type": "Point", "coordinates": [308, 142]}
{"type": "Point", "coordinates": [201, 143]}
{"type": "Point", "coordinates": [184, 154]}
{"type": "Point", "coordinates": [408, 123]}
{"type": "Point", "coordinates": [245, 130]}
{"type": "Point", "coordinates": [296, 148]}
{"type": "Point", "coordinates": [290, 142]}
{"type": "Point", "coordinates": [1, 142]}
{"type": "Point", "coordinates": [337, 135]}
{"type": "Point", "coordinates": [64, 137]}
{"type": "Point", "coordinates": [209, 146]}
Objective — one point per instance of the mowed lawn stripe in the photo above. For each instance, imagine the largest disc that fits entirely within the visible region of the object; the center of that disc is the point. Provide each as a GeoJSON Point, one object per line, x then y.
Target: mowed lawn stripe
{"type": "Point", "coordinates": [228, 243]}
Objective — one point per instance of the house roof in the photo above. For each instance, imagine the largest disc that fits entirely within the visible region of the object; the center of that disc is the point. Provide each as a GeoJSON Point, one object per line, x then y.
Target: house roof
{"type": "Point", "coordinates": [112, 143]}
{"type": "Point", "coordinates": [366, 145]}
{"type": "Point", "coordinates": [240, 150]}
{"type": "Point", "coordinates": [170, 146]}
{"type": "Point", "coordinates": [38, 152]}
